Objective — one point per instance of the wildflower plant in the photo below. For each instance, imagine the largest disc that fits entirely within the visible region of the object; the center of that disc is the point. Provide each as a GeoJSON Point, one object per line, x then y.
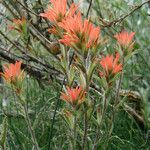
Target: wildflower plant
{"type": "Point", "coordinates": [110, 67]}
{"type": "Point", "coordinates": [89, 70]}
{"type": "Point", "coordinates": [57, 12]}
{"type": "Point", "coordinates": [126, 41]}
{"type": "Point", "coordinates": [20, 25]}
{"type": "Point", "coordinates": [82, 37]}
{"type": "Point", "coordinates": [74, 96]}
{"type": "Point", "coordinates": [79, 34]}
{"type": "Point", "coordinates": [14, 76]}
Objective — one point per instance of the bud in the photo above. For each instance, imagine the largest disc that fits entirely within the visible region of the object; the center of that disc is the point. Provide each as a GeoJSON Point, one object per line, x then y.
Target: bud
{"type": "Point", "coordinates": [54, 48]}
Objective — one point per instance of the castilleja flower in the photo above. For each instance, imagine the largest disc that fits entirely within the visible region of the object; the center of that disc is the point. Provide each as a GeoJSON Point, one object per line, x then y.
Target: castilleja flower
{"type": "Point", "coordinates": [58, 11]}
{"type": "Point", "coordinates": [110, 66]}
{"type": "Point", "coordinates": [74, 96]}
{"type": "Point", "coordinates": [13, 73]}
{"type": "Point", "coordinates": [125, 39]}
{"type": "Point", "coordinates": [79, 34]}
{"type": "Point", "coordinates": [18, 24]}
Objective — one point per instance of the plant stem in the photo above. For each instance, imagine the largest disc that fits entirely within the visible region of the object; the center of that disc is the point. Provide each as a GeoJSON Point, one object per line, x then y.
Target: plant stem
{"type": "Point", "coordinates": [85, 129]}
{"type": "Point", "coordinates": [30, 127]}
{"type": "Point", "coordinates": [3, 147]}
{"type": "Point", "coordinates": [85, 107]}
{"type": "Point", "coordinates": [75, 122]}
{"type": "Point", "coordinates": [116, 103]}
{"type": "Point", "coordinates": [99, 126]}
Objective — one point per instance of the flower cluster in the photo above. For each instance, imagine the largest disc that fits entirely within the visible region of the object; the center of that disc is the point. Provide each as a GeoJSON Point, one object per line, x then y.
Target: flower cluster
{"type": "Point", "coordinates": [18, 24]}
{"type": "Point", "coordinates": [74, 96]}
{"type": "Point", "coordinates": [57, 12]}
{"type": "Point", "coordinates": [125, 40]}
{"type": "Point", "coordinates": [79, 34]}
{"type": "Point", "coordinates": [84, 37]}
{"type": "Point", "coordinates": [110, 66]}
{"type": "Point", "coordinates": [13, 75]}
{"type": "Point", "coordinates": [75, 32]}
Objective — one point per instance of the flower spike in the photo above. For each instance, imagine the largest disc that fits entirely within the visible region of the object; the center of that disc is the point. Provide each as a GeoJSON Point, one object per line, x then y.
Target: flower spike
{"type": "Point", "coordinates": [13, 74]}
{"type": "Point", "coordinates": [110, 66]}
{"type": "Point", "coordinates": [125, 39]}
{"type": "Point", "coordinates": [79, 34]}
{"type": "Point", "coordinates": [74, 96]}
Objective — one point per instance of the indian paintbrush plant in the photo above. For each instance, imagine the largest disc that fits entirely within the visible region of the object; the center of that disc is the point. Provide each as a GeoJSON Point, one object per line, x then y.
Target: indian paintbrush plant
{"type": "Point", "coordinates": [14, 76]}
{"type": "Point", "coordinates": [81, 38]}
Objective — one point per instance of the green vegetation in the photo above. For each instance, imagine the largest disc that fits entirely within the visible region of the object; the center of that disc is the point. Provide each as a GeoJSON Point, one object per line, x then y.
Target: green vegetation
{"type": "Point", "coordinates": [57, 125]}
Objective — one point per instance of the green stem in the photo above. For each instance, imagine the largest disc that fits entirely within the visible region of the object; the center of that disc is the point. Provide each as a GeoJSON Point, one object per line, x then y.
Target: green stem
{"type": "Point", "coordinates": [3, 147]}
{"type": "Point", "coordinates": [74, 132]}
{"type": "Point", "coordinates": [85, 129]}
{"type": "Point", "coordinates": [85, 107]}
{"type": "Point", "coordinates": [99, 126]}
{"type": "Point", "coordinates": [23, 104]}
{"type": "Point", "coordinates": [115, 104]}
{"type": "Point", "coordinates": [30, 127]}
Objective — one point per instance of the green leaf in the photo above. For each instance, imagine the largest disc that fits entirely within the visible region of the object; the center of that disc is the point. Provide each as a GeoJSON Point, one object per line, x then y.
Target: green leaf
{"type": "Point", "coordinates": [91, 70]}
{"type": "Point", "coordinates": [71, 75]}
{"type": "Point", "coordinates": [4, 132]}
{"type": "Point", "coordinates": [82, 80]}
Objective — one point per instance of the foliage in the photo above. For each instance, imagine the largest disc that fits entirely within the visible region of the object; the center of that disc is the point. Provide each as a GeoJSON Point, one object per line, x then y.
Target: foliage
{"type": "Point", "coordinates": [109, 109]}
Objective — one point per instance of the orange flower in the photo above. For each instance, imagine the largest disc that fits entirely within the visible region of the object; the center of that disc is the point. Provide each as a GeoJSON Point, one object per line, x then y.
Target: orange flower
{"type": "Point", "coordinates": [125, 39]}
{"type": "Point", "coordinates": [74, 96]}
{"type": "Point", "coordinates": [79, 34]}
{"type": "Point", "coordinates": [58, 10]}
{"type": "Point", "coordinates": [110, 66]}
{"type": "Point", "coordinates": [18, 23]}
{"type": "Point", "coordinates": [13, 73]}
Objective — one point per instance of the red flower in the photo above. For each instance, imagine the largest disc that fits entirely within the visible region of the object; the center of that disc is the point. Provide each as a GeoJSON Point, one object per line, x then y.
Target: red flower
{"type": "Point", "coordinates": [13, 73]}
{"type": "Point", "coordinates": [17, 24]}
{"type": "Point", "coordinates": [79, 34]}
{"type": "Point", "coordinates": [19, 21]}
{"type": "Point", "coordinates": [58, 10]}
{"type": "Point", "coordinates": [125, 39]}
{"type": "Point", "coordinates": [74, 96]}
{"type": "Point", "coordinates": [110, 65]}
